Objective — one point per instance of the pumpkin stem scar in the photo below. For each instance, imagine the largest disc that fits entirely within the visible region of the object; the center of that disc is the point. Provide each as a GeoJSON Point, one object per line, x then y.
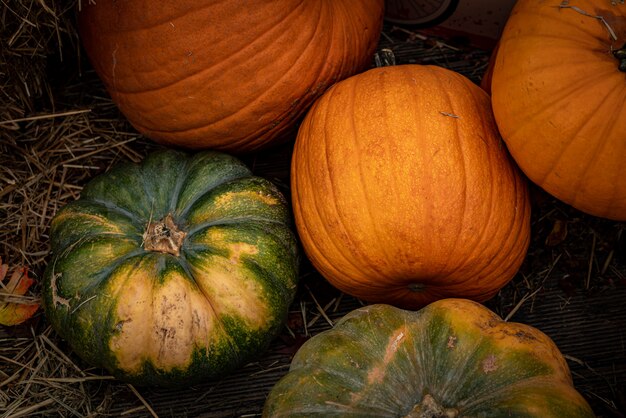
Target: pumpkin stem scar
{"type": "Point", "coordinates": [429, 408]}
{"type": "Point", "coordinates": [56, 299]}
{"type": "Point", "coordinates": [416, 287]}
{"type": "Point", "coordinates": [620, 54]}
{"type": "Point", "coordinates": [163, 236]}
{"type": "Point", "coordinates": [565, 5]}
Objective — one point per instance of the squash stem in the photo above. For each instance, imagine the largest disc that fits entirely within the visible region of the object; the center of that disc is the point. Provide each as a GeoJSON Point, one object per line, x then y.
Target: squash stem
{"type": "Point", "coordinates": [429, 408]}
{"type": "Point", "coordinates": [164, 236]}
{"type": "Point", "coordinates": [620, 54]}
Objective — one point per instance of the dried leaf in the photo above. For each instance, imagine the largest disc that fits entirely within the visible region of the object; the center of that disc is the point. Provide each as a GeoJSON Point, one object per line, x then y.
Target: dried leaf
{"type": "Point", "coordinates": [15, 308]}
{"type": "Point", "coordinates": [558, 233]}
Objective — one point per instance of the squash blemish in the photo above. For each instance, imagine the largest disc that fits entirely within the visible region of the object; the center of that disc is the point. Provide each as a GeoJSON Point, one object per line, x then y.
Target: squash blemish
{"type": "Point", "coordinates": [490, 364]}
{"type": "Point", "coordinates": [451, 342]}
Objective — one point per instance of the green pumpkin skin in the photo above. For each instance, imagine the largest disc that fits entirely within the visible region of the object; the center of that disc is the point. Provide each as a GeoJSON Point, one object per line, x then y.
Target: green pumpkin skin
{"type": "Point", "coordinates": [175, 270]}
{"type": "Point", "coordinates": [453, 358]}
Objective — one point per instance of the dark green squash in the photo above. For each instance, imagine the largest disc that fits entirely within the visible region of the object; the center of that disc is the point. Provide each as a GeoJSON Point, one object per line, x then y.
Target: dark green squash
{"type": "Point", "coordinates": [453, 358]}
{"type": "Point", "coordinates": [178, 269]}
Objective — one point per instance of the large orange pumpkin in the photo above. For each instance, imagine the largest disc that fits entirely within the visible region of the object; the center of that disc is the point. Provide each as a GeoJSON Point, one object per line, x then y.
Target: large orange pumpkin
{"type": "Point", "coordinates": [559, 100]}
{"type": "Point", "coordinates": [227, 75]}
{"type": "Point", "coordinates": [403, 192]}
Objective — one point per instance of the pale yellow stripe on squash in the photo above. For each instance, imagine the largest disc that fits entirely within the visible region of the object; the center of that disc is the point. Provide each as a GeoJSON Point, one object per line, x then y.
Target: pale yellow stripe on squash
{"type": "Point", "coordinates": [134, 316]}
{"type": "Point", "coordinates": [161, 323]}
{"type": "Point", "coordinates": [232, 204]}
{"type": "Point", "coordinates": [235, 197]}
{"type": "Point", "coordinates": [233, 290]}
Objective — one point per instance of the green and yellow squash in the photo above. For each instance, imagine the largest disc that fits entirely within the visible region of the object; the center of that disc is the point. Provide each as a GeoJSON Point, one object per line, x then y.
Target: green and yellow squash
{"type": "Point", "coordinates": [177, 269]}
{"type": "Point", "coordinates": [453, 358]}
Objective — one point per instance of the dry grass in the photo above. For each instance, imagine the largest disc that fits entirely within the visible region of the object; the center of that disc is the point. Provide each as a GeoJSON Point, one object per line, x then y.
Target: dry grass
{"type": "Point", "coordinates": [58, 129]}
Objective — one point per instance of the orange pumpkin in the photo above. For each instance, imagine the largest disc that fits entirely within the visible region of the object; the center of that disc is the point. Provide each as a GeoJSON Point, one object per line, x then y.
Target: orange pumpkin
{"type": "Point", "coordinates": [227, 75]}
{"type": "Point", "coordinates": [403, 192]}
{"type": "Point", "coordinates": [559, 96]}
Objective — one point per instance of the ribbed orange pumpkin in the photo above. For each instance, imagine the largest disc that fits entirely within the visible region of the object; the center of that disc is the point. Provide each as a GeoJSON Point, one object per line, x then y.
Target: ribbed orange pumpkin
{"type": "Point", "coordinates": [559, 100]}
{"type": "Point", "coordinates": [403, 192]}
{"type": "Point", "coordinates": [227, 75]}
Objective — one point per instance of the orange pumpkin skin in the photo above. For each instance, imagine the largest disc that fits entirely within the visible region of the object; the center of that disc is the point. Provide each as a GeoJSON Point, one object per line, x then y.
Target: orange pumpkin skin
{"type": "Point", "coordinates": [224, 75]}
{"type": "Point", "coordinates": [558, 99]}
{"type": "Point", "coordinates": [403, 192]}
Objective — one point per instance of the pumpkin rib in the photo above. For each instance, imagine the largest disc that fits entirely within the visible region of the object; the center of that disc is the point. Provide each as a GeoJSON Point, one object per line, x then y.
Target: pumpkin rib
{"type": "Point", "coordinates": [598, 147]}
{"type": "Point", "coordinates": [252, 101]}
{"type": "Point", "coordinates": [230, 221]}
{"type": "Point", "coordinates": [217, 319]}
{"type": "Point", "coordinates": [323, 103]}
{"type": "Point", "coordinates": [191, 205]}
{"type": "Point", "coordinates": [241, 52]}
{"type": "Point", "coordinates": [462, 168]}
{"type": "Point", "coordinates": [289, 110]}
{"type": "Point", "coordinates": [223, 178]}
{"type": "Point", "coordinates": [135, 219]}
{"type": "Point", "coordinates": [478, 248]}
{"type": "Point", "coordinates": [100, 276]}
{"type": "Point", "coordinates": [565, 96]}
{"type": "Point", "coordinates": [170, 18]}
{"type": "Point", "coordinates": [367, 197]}
{"type": "Point", "coordinates": [482, 236]}
{"type": "Point", "coordinates": [114, 298]}
{"type": "Point", "coordinates": [588, 119]}
{"type": "Point", "coordinates": [178, 187]}
{"type": "Point", "coordinates": [496, 266]}
{"type": "Point", "coordinates": [495, 392]}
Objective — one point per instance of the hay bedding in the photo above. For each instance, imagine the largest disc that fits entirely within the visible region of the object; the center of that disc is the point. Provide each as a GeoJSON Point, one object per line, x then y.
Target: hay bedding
{"type": "Point", "coordinates": [58, 129]}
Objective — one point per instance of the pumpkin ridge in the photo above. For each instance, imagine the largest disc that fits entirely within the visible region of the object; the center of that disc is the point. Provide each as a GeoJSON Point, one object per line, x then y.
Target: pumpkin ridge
{"type": "Point", "coordinates": [589, 117]}
{"type": "Point", "coordinates": [181, 180]}
{"type": "Point", "coordinates": [459, 148]}
{"type": "Point", "coordinates": [481, 236]}
{"type": "Point", "coordinates": [373, 224]}
{"type": "Point", "coordinates": [189, 76]}
{"type": "Point", "coordinates": [222, 318]}
{"type": "Point", "coordinates": [147, 177]}
{"type": "Point", "coordinates": [327, 159]}
{"type": "Point", "coordinates": [262, 130]}
{"type": "Point", "coordinates": [69, 331]}
{"type": "Point", "coordinates": [565, 96]}
{"type": "Point", "coordinates": [168, 19]}
{"type": "Point", "coordinates": [495, 261]}
{"type": "Point", "coordinates": [537, 382]}
{"type": "Point", "coordinates": [598, 146]}
{"type": "Point", "coordinates": [135, 217]}
{"type": "Point", "coordinates": [234, 349]}
{"type": "Point", "coordinates": [222, 178]}
{"type": "Point", "coordinates": [114, 303]}
{"type": "Point", "coordinates": [230, 221]}
{"type": "Point", "coordinates": [99, 277]}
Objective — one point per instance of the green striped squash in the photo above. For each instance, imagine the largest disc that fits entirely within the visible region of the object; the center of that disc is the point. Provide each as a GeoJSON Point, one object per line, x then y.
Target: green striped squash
{"type": "Point", "coordinates": [177, 269]}
{"type": "Point", "coordinates": [453, 358]}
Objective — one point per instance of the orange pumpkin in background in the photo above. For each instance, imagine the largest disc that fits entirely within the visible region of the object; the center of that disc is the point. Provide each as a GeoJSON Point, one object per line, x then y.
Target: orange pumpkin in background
{"type": "Point", "coordinates": [403, 192]}
{"type": "Point", "coordinates": [227, 75]}
{"type": "Point", "coordinates": [559, 99]}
